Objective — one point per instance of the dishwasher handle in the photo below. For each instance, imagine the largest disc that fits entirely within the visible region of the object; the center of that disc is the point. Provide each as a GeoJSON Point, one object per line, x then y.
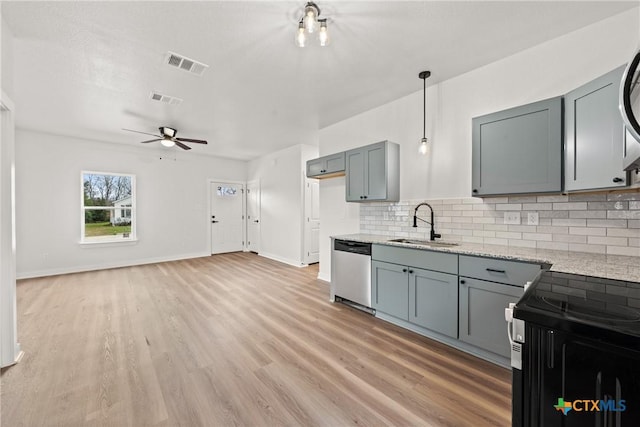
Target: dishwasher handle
{"type": "Point", "coordinates": [360, 248]}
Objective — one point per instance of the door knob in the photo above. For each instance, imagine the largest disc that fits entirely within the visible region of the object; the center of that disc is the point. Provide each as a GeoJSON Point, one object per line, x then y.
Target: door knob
{"type": "Point", "coordinates": [213, 222]}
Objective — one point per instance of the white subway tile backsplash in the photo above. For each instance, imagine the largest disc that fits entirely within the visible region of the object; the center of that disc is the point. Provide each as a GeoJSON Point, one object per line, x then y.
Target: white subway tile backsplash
{"type": "Point", "coordinates": [610, 241]}
{"type": "Point", "coordinates": [537, 206]}
{"type": "Point", "coordinates": [579, 247]}
{"type": "Point", "coordinates": [509, 206]}
{"type": "Point", "coordinates": [569, 222]}
{"type": "Point", "coordinates": [546, 199]}
{"type": "Point", "coordinates": [522, 243]}
{"type": "Point", "coordinates": [623, 250]}
{"type": "Point", "coordinates": [576, 206]}
{"type": "Point", "coordinates": [623, 232]}
{"type": "Point", "coordinates": [619, 223]}
{"type": "Point", "coordinates": [588, 231]}
{"type": "Point", "coordinates": [597, 222]}
{"type": "Point", "coordinates": [588, 214]}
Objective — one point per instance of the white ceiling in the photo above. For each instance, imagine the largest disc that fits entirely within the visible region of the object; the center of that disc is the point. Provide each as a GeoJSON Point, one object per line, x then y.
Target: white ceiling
{"type": "Point", "coordinates": [86, 69]}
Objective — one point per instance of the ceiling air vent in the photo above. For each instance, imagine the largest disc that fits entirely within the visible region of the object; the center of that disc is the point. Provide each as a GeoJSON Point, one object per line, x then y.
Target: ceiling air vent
{"type": "Point", "coordinates": [166, 99]}
{"type": "Point", "coordinates": [190, 65]}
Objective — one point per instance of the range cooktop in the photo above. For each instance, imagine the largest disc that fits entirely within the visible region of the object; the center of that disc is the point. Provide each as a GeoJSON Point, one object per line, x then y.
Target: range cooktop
{"type": "Point", "coordinates": [592, 306]}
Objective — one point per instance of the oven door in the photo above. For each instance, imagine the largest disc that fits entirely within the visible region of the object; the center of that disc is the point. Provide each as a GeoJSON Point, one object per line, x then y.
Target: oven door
{"type": "Point", "coordinates": [630, 110]}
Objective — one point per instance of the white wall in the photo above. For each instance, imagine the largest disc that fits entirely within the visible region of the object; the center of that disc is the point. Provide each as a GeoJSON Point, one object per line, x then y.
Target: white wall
{"type": "Point", "coordinates": [172, 194]}
{"type": "Point", "coordinates": [6, 59]}
{"type": "Point", "coordinates": [281, 176]}
{"type": "Point", "coordinates": [550, 69]}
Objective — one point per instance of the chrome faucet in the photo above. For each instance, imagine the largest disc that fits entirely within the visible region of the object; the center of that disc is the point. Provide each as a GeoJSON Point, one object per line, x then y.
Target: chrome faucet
{"type": "Point", "coordinates": [433, 235]}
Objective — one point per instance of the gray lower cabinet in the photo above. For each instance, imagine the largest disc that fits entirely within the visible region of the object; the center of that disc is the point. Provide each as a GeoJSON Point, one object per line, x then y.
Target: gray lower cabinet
{"type": "Point", "coordinates": [373, 173]}
{"type": "Point", "coordinates": [390, 289]}
{"type": "Point", "coordinates": [481, 311]}
{"type": "Point", "coordinates": [433, 300]}
{"type": "Point", "coordinates": [518, 150]}
{"type": "Point", "coordinates": [594, 135]}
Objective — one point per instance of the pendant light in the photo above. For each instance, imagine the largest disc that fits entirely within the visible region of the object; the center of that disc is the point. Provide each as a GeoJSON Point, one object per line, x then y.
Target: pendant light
{"type": "Point", "coordinates": [312, 26]}
{"type": "Point", "coordinates": [424, 143]}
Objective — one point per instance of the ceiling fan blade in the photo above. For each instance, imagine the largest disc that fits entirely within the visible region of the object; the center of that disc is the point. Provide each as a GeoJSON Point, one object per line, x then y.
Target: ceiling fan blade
{"type": "Point", "coordinates": [197, 141]}
{"type": "Point", "coordinates": [181, 145]}
{"type": "Point", "coordinates": [144, 133]}
{"type": "Point", "coordinates": [151, 140]}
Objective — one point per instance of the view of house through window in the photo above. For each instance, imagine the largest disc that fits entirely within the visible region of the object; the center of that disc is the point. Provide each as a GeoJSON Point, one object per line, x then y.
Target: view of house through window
{"type": "Point", "coordinates": [108, 207]}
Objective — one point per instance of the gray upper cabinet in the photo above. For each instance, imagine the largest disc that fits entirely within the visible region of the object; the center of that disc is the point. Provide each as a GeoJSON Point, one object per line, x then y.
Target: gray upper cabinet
{"type": "Point", "coordinates": [594, 135]}
{"type": "Point", "coordinates": [327, 166]}
{"type": "Point", "coordinates": [519, 150]}
{"type": "Point", "coordinates": [373, 173]}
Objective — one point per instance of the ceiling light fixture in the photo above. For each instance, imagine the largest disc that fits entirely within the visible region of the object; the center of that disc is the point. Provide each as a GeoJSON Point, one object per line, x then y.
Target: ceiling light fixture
{"type": "Point", "coordinates": [424, 142]}
{"type": "Point", "coordinates": [310, 24]}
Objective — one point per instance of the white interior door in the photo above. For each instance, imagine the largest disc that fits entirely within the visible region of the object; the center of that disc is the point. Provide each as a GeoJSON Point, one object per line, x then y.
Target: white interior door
{"type": "Point", "coordinates": [312, 221]}
{"type": "Point", "coordinates": [227, 218]}
{"type": "Point", "coordinates": [253, 216]}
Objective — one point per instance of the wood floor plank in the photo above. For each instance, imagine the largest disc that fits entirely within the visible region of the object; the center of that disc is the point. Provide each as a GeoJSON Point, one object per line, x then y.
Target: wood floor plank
{"type": "Point", "coordinates": [233, 339]}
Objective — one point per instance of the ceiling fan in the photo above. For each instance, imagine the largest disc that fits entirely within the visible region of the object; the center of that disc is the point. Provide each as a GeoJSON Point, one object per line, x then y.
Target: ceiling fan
{"type": "Point", "coordinates": [168, 138]}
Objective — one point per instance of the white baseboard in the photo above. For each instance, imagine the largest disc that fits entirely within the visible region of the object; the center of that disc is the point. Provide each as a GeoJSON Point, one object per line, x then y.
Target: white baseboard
{"type": "Point", "coordinates": [294, 263]}
{"type": "Point", "coordinates": [324, 277]}
{"type": "Point", "coordinates": [105, 266]}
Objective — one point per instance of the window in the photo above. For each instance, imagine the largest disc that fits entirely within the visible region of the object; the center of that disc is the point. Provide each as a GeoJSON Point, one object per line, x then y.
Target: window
{"type": "Point", "coordinates": [108, 207]}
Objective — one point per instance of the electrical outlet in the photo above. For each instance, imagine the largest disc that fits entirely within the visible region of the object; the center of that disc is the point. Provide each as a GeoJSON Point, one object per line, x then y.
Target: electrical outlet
{"type": "Point", "coordinates": [532, 218]}
{"type": "Point", "coordinates": [512, 218]}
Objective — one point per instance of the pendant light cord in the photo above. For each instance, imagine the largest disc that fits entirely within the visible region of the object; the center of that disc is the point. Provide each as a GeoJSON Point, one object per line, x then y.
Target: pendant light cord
{"type": "Point", "coordinates": [424, 108]}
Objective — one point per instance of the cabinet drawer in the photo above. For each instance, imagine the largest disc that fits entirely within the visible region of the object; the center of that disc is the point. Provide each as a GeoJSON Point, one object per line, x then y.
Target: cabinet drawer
{"type": "Point", "coordinates": [428, 260]}
{"type": "Point", "coordinates": [497, 270]}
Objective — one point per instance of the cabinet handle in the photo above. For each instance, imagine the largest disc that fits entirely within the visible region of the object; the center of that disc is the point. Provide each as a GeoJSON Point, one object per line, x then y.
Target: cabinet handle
{"type": "Point", "coordinates": [364, 197]}
{"type": "Point", "coordinates": [474, 190]}
{"type": "Point", "coordinates": [361, 197]}
{"type": "Point", "coordinates": [410, 271]}
{"type": "Point", "coordinates": [617, 179]}
{"type": "Point", "coordinates": [404, 270]}
{"type": "Point", "coordinates": [462, 281]}
{"type": "Point", "coordinates": [494, 270]}
{"type": "Point", "coordinates": [550, 350]}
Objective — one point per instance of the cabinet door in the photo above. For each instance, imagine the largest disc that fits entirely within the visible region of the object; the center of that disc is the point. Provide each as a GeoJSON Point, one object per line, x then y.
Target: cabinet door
{"type": "Point", "coordinates": [375, 172]}
{"type": "Point", "coordinates": [594, 136]}
{"type": "Point", "coordinates": [334, 163]}
{"type": "Point", "coordinates": [481, 313]}
{"type": "Point", "coordinates": [355, 160]}
{"type": "Point", "coordinates": [433, 300]}
{"type": "Point", "coordinates": [314, 167]}
{"type": "Point", "coordinates": [390, 289]}
{"type": "Point", "coordinates": [519, 150]}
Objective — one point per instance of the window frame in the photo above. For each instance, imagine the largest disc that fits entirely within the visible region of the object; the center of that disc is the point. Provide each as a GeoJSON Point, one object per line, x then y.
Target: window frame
{"type": "Point", "coordinates": [132, 235]}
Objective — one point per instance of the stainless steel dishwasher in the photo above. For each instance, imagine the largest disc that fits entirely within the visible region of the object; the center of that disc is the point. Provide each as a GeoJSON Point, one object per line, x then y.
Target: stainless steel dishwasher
{"type": "Point", "coordinates": [351, 273]}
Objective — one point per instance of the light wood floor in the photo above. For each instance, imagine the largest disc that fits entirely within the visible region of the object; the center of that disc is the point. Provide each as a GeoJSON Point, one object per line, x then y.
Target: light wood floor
{"type": "Point", "coordinates": [231, 339]}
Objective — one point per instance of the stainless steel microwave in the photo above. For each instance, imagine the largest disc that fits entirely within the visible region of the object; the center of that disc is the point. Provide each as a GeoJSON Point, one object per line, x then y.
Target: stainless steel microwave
{"type": "Point", "coordinates": [630, 110]}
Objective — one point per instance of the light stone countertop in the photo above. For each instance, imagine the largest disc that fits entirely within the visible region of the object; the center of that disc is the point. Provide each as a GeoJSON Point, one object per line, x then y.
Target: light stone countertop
{"type": "Point", "coordinates": [617, 267]}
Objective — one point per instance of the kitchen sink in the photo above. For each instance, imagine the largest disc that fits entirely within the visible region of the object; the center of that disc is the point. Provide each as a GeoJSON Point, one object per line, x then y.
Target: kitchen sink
{"type": "Point", "coordinates": [432, 243]}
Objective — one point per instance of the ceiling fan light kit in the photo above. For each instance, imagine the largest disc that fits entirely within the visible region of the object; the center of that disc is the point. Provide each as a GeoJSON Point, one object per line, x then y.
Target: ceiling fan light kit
{"type": "Point", "coordinates": [168, 138]}
{"type": "Point", "coordinates": [311, 24]}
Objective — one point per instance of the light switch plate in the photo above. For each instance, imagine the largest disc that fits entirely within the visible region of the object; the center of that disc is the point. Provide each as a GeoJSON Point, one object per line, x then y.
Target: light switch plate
{"type": "Point", "coordinates": [512, 218]}
{"type": "Point", "coordinates": [532, 218]}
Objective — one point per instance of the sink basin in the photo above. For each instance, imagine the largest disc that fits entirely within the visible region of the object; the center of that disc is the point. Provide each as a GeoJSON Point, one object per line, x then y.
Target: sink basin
{"type": "Point", "coordinates": [432, 243]}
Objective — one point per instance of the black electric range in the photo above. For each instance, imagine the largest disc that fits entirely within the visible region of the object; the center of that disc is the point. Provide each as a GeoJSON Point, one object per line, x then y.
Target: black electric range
{"type": "Point", "coordinates": [581, 355]}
